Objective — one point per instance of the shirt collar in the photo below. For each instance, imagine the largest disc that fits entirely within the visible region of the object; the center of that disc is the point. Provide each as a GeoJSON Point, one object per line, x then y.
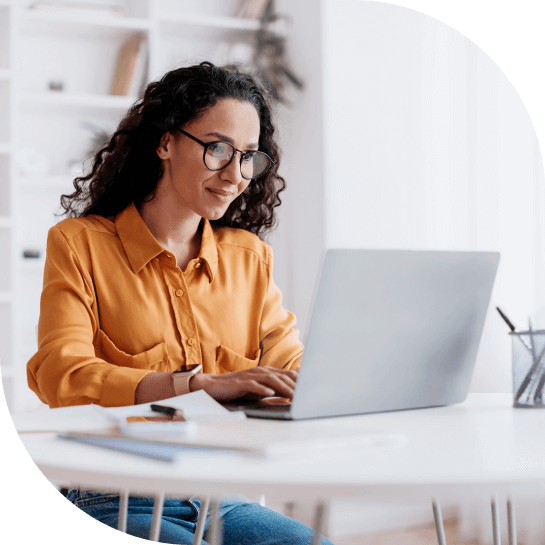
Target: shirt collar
{"type": "Point", "coordinates": [141, 246]}
{"type": "Point", "coordinates": [209, 250]}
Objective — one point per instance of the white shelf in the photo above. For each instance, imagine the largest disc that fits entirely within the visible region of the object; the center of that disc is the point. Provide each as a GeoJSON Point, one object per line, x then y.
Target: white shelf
{"type": "Point", "coordinates": [217, 23]}
{"type": "Point", "coordinates": [108, 102]}
{"type": "Point", "coordinates": [195, 19]}
{"type": "Point", "coordinates": [5, 222]}
{"type": "Point", "coordinates": [5, 147]}
{"type": "Point", "coordinates": [56, 181]}
{"type": "Point", "coordinates": [5, 74]}
{"type": "Point", "coordinates": [53, 22]}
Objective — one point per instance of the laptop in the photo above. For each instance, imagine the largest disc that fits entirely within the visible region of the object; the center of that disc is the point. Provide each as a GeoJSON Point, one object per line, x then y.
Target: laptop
{"type": "Point", "coordinates": [389, 330]}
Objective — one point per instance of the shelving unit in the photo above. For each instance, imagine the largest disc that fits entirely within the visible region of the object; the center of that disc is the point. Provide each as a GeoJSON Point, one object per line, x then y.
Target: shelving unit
{"type": "Point", "coordinates": [79, 50]}
{"type": "Point", "coordinates": [7, 198]}
{"type": "Point", "coordinates": [66, 100]}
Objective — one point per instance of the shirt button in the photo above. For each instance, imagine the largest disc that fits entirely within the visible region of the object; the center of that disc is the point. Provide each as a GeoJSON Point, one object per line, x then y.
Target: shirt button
{"type": "Point", "coordinates": [191, 341]}
{"type": "Point", "coordinates": [167, 255]}
{"type": "Point", "coordinates": [197, 265]}
{"type": "Point", "coordinates": [179, 293]}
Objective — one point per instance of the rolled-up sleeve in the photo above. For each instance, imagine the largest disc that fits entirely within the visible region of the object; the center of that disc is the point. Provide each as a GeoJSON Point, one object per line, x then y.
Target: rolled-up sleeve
{"type": "Point", "coordinates": [280, 344]}
{"type": "Point", "coordinates": [66, 370]}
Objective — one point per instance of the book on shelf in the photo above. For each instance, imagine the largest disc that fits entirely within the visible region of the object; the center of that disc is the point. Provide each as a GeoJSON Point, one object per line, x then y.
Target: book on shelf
{"type": "Point", "coordinates": [79, 8]}
{"type": "Point", "coordinates": [251, 9]}
{"type": "Point", "coordinates": [240, 10]}
{"type": "Point", "coordinates": [138, 80]}
{"type": "Point", "coordinates": [130, 70]}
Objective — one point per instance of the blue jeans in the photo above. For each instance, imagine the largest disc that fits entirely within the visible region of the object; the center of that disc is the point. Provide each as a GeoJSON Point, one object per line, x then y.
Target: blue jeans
{"type": "Point", "coordinates": [242, 523]}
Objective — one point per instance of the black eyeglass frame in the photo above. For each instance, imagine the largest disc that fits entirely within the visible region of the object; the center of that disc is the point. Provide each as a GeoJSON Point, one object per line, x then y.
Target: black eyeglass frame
{"type": "Point", "coordinates": [206, 145]}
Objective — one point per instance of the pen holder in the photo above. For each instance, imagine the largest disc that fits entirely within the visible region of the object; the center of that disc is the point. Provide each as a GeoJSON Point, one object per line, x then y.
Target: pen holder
{"type": "Point", "coordinates": [528, 368]}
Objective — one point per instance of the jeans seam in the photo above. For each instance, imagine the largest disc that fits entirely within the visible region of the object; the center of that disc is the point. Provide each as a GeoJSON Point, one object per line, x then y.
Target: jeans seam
{"type": "Point", "coordinates": [196, 511]}
{"type": "Point", "coordinates": [95, 501]}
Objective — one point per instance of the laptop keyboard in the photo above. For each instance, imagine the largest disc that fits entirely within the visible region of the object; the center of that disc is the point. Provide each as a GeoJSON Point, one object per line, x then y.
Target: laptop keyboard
{"type": "Point", "coordinates": [269, 408]}
{"type": "Point", "coordinates": [273, 404]}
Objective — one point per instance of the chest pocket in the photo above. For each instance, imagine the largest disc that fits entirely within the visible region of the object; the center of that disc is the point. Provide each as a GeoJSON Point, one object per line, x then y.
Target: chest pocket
{"type": "Point", "coordinates": [228, 361]}
{"type": "Point", "coordinates": [155, 358]}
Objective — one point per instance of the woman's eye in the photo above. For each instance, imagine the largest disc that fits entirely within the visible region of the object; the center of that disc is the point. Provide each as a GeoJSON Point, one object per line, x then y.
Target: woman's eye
{"type": "Point", "coordinates": [216, 149]}
{"type": "Point", "coordinates": [248, 156]}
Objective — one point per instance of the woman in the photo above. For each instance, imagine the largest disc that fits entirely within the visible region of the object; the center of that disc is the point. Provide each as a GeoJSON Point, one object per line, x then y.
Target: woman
{"type": "Point", "coordinates": [160, 268]}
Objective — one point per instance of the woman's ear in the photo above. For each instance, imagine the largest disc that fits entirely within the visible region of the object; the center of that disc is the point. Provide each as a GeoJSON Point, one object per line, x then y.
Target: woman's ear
{"type": "Point", "coordinates": [163, 151]}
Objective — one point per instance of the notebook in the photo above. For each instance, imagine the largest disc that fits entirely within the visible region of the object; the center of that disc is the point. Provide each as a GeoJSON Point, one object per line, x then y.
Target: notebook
{"type": "Point", "coordinates": [389, 330]}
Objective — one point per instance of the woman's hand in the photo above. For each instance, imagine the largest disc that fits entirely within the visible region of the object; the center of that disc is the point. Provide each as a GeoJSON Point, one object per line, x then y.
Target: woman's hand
{"type": "Point", "coordinates": [252, 383]}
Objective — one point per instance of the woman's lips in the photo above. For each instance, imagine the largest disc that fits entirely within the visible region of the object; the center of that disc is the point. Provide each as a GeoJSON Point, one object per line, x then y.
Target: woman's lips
{"type": "Point", "coordinates": [225, 196]}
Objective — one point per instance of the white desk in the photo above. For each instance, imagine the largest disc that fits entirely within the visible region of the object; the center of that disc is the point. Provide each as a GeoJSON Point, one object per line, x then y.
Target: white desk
{"type": "Point", "coordinates": [480, 448]}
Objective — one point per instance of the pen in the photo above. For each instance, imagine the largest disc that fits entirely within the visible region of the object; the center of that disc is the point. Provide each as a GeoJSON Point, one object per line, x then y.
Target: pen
{"type": "Point", "coordinates": [511, 326]}
{"type": "Point", "coordinates": [171, 411]}
{"type": "Point", "coordinates": [538, 396]}
{"type": "Point", "coordinates": [506, 319]}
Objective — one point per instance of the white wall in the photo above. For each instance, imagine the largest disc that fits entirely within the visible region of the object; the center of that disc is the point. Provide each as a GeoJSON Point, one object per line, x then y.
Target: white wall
{"type": "Point", "coordinates": [444, 156]}
{"type": "Point", "coordinates": [300, 238]}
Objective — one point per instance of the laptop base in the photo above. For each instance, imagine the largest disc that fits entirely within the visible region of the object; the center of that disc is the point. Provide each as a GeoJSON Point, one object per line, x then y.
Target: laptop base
{"type": "Point", "coordinates": [277, 413]}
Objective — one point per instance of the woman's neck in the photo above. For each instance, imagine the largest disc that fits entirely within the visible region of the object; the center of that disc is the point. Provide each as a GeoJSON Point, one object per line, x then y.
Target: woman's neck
{"type": "Point", "coordinates": [175, 229]}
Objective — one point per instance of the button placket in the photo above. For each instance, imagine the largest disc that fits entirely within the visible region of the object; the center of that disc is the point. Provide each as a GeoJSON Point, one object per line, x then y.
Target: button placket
{"type": "Point", "coordinates": [185, 320]}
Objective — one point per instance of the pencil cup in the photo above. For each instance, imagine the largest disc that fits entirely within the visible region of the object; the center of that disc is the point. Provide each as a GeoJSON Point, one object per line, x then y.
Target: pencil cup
{"type": "Point", "coordinates": [528, 368]}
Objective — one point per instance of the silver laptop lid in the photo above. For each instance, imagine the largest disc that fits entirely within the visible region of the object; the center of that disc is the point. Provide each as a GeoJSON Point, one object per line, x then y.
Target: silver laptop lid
{"type": "Point", "coordinates": [393, 329]}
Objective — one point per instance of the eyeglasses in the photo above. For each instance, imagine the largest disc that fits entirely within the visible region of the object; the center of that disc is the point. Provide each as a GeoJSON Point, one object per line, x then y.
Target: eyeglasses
{"type": "Point", "coordinates": [218, 155]}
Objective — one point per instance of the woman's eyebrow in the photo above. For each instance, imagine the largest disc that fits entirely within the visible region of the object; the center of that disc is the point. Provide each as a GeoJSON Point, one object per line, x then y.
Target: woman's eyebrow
{"type": "Point", "coordinates": [226, 138]}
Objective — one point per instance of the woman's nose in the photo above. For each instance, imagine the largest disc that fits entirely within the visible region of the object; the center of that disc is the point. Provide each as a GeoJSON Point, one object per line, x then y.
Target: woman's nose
{"type": "Point", "coordinates": [231, 172]}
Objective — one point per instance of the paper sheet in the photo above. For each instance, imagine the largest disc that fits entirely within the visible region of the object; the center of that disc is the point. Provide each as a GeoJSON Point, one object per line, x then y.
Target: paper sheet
{"type": "Point", "coordinates": [196, 406]}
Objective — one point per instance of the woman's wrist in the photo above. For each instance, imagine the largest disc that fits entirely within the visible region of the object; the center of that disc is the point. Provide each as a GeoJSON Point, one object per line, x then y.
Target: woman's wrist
{"type": "Point", "coordinates": [154, 387]}
{"type": "Point", "coordinates": [199, 381]}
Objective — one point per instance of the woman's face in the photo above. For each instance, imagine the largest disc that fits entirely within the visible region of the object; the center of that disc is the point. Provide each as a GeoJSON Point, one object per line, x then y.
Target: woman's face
{"type": "Point", "coordinates": [186, 180]}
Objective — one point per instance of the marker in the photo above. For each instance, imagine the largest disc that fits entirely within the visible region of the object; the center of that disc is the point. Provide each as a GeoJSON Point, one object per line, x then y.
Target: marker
{"type": "Point", "coordinates": [170, 411]}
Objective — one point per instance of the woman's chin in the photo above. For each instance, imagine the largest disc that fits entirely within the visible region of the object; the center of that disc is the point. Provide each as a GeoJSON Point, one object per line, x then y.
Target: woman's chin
{"type": "Point", "coordinates": [215, 214]}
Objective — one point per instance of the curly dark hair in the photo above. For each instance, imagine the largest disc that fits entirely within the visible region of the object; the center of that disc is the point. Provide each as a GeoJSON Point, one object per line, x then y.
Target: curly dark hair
{"type": "Point", "coordinates": [127, 168]}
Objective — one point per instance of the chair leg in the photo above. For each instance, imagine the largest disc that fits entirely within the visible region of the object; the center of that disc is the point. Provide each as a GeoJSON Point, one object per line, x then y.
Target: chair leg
{"type": "Point", "coordinates": [157, 517]}
{"type": "Point", "coordinates": [123, 511]}
{"type": "Point", "coordinates": [439, 527]}
{"type": "Point", "coordinates": [511, 522]}
{"type": "Point", "coordinates": [289, 508]}
{"type": "Point", "coordinates": [496, 534]}
{"type": "Point", "coordinates": [201, 521]}
{"type": "Point", "coordinates": [214, 533]}
{"type": "Point", "coordinates": [261, 500]}
{"type": "Point", "coordinates": [319, 522]}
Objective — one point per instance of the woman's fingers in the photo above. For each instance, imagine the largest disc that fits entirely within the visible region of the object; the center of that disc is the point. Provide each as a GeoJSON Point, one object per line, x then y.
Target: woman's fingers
{"type": "Point", "coordinates": [256, 382]}
{"type": "Point", "coordinates": [257, 388]}
{"type": "Point", "coordinates": [281, 383]}
{"type": "Point", "coordinates": [283, 372]}
{"type": "Point", "coordinates": [274, 374]}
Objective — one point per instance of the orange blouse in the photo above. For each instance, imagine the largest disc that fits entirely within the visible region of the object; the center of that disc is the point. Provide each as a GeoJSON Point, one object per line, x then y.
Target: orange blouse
{"type": "Point", "coordinates": [115, 307]}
